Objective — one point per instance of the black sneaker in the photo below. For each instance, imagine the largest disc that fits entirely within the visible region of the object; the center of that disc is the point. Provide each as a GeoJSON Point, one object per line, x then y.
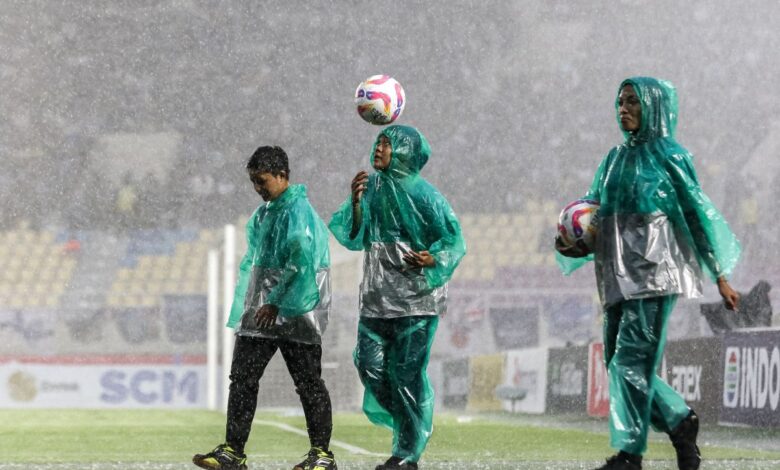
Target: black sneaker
{"type": "Point", "coordinates": [684, 441]}
{"type": "Point", "coordinates": [397, 463]}
{"type": "Point", "coordinates": [318, 459]}
{"type": "Point", "coordinates": [223, 457]}
{"type": "Point", "coordinates": [620, 462]}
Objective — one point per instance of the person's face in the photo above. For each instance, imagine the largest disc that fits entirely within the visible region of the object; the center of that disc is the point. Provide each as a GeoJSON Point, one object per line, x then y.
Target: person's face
{"type": "Point", "coordinates": [268, 186]}
{"type": "Point", "coordinates": [383, 153]}
{"type": "Point", "coordinates": [629, 109]}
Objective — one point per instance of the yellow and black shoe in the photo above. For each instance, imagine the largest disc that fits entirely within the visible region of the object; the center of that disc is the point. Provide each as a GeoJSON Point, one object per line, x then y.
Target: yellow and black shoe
{"type": "Point", "coordinates": [318, 459]}
{"type": "Point", "coordinates": [223, 457]}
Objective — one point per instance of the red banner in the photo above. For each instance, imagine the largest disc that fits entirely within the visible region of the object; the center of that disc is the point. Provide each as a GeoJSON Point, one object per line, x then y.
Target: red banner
{"type": "Point", "coordinates": [598, 383]}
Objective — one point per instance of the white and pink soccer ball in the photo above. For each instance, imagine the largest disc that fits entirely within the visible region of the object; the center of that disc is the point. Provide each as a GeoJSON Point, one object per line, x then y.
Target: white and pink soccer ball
{"type": "Point", "coordinates": [576, 224]}
{"type": "Point", "coordinates": [380, 99]}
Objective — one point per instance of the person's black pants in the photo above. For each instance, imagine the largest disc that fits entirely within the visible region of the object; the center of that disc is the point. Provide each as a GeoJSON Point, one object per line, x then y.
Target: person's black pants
{"type": "Point", "coordinates": [250, 357]}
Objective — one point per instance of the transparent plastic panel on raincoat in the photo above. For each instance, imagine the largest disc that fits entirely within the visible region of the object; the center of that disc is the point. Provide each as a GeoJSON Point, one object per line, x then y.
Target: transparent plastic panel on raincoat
{"type": "Point", "coordinates": [391, 288]}
{"type": "Point", "coordinates": [306, 328]}
{"type": "Point", "coordinates": [638, 256]}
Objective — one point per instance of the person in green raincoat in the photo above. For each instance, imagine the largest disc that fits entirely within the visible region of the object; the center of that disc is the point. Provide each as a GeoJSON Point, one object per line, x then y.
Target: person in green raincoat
{"type": "Point", "coordinates": [413, 243]}
{"type": "Point", "coordinates": [281, 302]}
{"type": "Point", "coordinates": [658, 236]}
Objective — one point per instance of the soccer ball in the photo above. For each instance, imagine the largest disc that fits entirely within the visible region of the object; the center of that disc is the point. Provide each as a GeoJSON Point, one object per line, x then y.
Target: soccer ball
{"type": "Point", "coordinates": [380, 99]}
{"type": "Point", "coordinates": [576, 224]}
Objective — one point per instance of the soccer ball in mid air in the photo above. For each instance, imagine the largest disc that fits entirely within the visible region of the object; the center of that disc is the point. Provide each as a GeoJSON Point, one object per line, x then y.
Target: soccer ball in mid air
{"type": "Point", "coordinates": [380, 99]}
{"type": "Point", "coordinates": [576, 225]}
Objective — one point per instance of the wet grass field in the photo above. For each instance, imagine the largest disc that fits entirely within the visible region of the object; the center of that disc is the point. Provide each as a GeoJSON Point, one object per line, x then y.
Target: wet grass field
{"type": "Point", "coordinates": [99, 439]}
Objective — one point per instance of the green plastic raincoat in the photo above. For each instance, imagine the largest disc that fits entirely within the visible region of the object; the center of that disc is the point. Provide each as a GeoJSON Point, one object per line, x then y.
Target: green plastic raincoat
{"type": "Point", "coordinates": [398, 304]}
{"type": "Point", "coordinates": [287, 264]}
{"type": "Point", "coordinates": [657, 230]}
{"type": "Point", "coordinates": [658, 234]}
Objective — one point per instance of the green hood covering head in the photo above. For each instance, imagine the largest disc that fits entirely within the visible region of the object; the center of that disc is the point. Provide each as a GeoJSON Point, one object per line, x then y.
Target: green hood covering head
{"type": "Point", "coordinates": [658, 99]}
{"type": "Point", "coordinates": [399, 205]}
{"type": "Point", "coordinates": [410, 150]}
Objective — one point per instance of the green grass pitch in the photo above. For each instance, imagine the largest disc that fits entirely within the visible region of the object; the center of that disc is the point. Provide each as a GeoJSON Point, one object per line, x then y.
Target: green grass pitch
{"type": "Point", "coordinates": [65, 439]}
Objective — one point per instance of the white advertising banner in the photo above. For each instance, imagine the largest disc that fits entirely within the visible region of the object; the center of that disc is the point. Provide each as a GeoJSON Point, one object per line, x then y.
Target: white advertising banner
{"type": "Point", "coordinates": [103, 382]}
{"type": "Point", "coordinates": [526, 370]}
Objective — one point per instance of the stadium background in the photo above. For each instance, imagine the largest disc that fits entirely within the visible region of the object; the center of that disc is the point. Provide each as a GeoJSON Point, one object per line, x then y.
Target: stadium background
{"type": "Point", "coordinates": [125, 128]}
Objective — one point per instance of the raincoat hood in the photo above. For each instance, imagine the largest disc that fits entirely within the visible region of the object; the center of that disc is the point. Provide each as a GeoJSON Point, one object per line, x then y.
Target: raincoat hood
{"type": "Point", "coordinates": [658, 99]}
{"type": "Point", "coordinates": [410, 151]}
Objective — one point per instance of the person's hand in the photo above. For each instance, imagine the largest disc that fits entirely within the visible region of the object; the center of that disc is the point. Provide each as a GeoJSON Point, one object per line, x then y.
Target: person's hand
{"type": "Point", "coordinates": [265, 317]}
{"type": "Point", "coordinates": [359, 183]}
{"type": "Point", "coordinates": [730, 296]}
{"type": "Point", "coordinates": [422, 259]}
{"type": "Point", "coordinates": [568, 251]}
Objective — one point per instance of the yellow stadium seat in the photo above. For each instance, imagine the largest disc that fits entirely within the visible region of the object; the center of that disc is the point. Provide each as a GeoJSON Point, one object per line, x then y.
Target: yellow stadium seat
{"type": "Point", "coordinates": [144, 261]}
{"type": "Point", "coordinates": [148, 301]}
{"type": "Point", "coordinates": [503, 259]}
{"type": "Point", "coordinates": [158, 274]}
{"type": "Point", "coordinates": [487, 273]}
{"type": "Point", "coordinates": [136, 287]}
{"type": "Point", "coordinates": [16, 301]}
{"type": "Point", "coordinates": [124, 274]}
{"type": "Point", "coordinates": [170, 286]}
{"type": "Point", "coordinates": [176, 272]}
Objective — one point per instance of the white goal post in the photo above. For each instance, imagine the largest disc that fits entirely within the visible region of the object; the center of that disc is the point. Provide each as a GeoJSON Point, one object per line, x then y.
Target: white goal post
{"type": "Point", "coordinates": [216, 383]}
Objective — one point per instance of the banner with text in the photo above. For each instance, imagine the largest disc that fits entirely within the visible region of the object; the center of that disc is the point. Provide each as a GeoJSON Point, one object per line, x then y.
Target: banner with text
{"type": "Point", "coordinates": [567, 371]}
{"type": "Point", "coordinates": [526, 371]}
{"type": "Point", "coordinates": [455, 383]}
{"type": "Point", "coordinates": [751, 378]}
{"type": "Point", "coordinates": [102, 382]}
{"type": "Point", "coordinates": [692, 367]}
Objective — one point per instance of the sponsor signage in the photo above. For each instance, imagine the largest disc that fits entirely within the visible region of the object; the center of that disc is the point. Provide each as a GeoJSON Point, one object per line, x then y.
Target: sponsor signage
{"type": "Point", "coordinates": [692, 368]}
{"type": "Point", "coordinates": [486, 373]}
{"type": "Point", "coordinates": [94, 382]}
{"type": "Point", "coordinates": [567, 380]}
{"type": "Point", "coordinates": [515, 327]}
{"type": "Point", "coordinates": [526, 372]}
{"type": "Point", "coordinates": [455, 383]}
{"type": "Point", "coordinates": [751, 378]}
{"type": "Point", "coordinates": [598, 383]}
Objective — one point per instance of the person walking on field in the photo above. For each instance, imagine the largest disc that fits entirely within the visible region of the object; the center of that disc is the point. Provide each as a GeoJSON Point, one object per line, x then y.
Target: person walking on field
{"type": "Point", "coordinates": [281, 302]}
{"type": "Point", "coordinates": [413, 244]}
{"type": "Point", "coordinates": [658, 236]}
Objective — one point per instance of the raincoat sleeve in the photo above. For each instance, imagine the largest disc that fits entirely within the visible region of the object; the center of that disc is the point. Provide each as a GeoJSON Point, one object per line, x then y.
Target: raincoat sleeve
{"type": "Point", "coordinates": [297, 292]}
{"type": "Point", "coordinates": [244, 271]}
{"type": "Point", "coordinates": [716, 245]}
{"type": "Point", "coordinates": [449, 246]}
{"type": "Point", "coordinates": [341, 225]}
{"type": "Point", "coordinates": [569, 265]}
